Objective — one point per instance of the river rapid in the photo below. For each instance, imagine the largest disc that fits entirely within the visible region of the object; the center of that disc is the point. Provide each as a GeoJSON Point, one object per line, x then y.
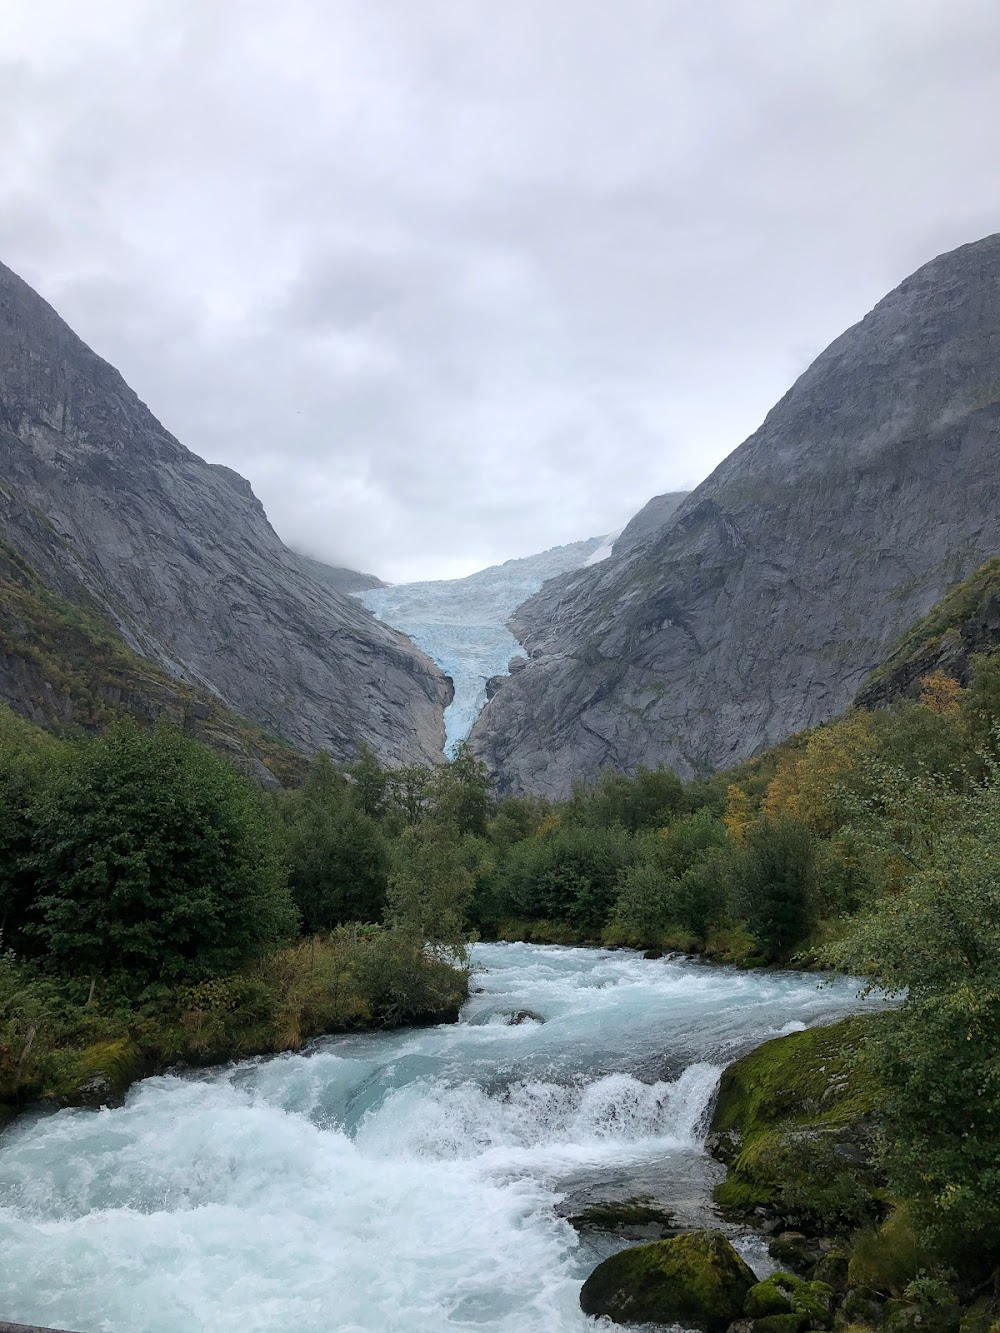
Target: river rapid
{"type": "Point", "coordinates": [407, 1182]}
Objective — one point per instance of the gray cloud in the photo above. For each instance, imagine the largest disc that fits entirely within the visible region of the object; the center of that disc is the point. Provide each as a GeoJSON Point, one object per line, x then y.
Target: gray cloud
{"type": "Point", "coordinates": [451, 281]}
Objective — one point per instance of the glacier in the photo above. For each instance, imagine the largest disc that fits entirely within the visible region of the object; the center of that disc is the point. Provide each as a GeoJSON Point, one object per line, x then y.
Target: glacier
{"type": "Point", "coordinates": [462, 623]}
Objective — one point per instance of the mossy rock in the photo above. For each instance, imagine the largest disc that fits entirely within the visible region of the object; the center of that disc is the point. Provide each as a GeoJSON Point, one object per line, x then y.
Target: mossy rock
{"type": "Point", "coordinates": [793, 1250]}
{"type": "Point", "coordinates": [772, 1296]}
{"type": "Point", "coordinates": [778, 1323]}
{"type": "Point", "coordinates": [792, 1122]}
{"type": "Point", "coordinates": [696, 1279]}
{"type": "Point", "coordinates": [783, 1294]}
{"type": "Point", "coordinates": [832, 1269]}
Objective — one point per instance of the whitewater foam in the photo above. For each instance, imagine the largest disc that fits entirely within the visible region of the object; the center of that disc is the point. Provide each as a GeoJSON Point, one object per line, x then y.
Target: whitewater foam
{"type": "Point", "coordinates": [395, 1181]}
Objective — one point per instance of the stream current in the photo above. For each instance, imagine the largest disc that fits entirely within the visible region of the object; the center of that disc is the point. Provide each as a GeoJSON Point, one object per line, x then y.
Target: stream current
{"type": "Point", "coordinates": [407, 1182]}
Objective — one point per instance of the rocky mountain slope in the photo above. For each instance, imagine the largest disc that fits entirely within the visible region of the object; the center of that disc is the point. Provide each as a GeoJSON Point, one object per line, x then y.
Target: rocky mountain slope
{"type": "Point", "coordinates": [103, 503]}
{"type": "Point", "coordinates": [964, 623]}
{"type": "Point", "coordinates": [649, 522]}
{"type": "Point", "coordinates": [462, 623]}
{"type": "Point", "coordinates": [776, 587]}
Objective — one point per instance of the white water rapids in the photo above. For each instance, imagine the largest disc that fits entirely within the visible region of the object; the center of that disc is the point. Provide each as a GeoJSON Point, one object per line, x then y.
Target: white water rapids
{"type": "Point", "coordinates": [398, 1182]}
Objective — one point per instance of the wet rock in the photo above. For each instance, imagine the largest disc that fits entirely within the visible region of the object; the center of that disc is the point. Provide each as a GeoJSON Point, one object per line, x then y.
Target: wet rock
{"type": "Point", "coordinates": [696, 1279]}
{"type": "Point", "coordinates": [792, 1248]}
{"type": "Point", "coordinates": [515, 1017]}
{"type": "Point", "coordinates": [632, 1219]}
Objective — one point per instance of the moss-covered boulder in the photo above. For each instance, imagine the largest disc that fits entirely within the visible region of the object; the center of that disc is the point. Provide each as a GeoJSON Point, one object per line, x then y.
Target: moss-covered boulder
{"type": "Point", "coordinates": [696, 1279]}
{"type": "Point", "coordinates": [811, 1303]}
{"type": "Point", "coordinates": [793, 1122]}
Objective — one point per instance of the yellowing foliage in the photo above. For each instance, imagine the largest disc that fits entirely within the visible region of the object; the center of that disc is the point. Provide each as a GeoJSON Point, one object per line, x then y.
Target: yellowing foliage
{"type": "Point", "coordinates": [739, 813]}
{"type": "Point", "coordinates": [940, 693]}
{"type": "Point", "coordinates": [804, 786]}
{"type": "Point", "coordinates": [548, 825]}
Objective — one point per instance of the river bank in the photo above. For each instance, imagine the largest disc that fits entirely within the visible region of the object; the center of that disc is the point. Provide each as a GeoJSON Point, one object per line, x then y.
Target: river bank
{"type": "Point", "coordinates": [66, 1047]}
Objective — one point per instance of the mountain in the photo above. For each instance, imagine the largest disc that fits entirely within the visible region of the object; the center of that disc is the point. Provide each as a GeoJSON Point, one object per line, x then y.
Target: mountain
{"type": "Point", "coordinates": [344, 580]}
{"type": "Point", "coordinates": [462, 623]}
{"type": "Point", "coordinates": [107, 508]}
{"type": "Point", "coordinates": [649, 522]}
{"type": "Point", "coordinates": [775, 588]}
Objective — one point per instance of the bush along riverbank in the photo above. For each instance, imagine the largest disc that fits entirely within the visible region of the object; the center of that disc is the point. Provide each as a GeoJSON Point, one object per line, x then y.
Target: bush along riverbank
{"type": "Point", "coordinates": [151, 904]}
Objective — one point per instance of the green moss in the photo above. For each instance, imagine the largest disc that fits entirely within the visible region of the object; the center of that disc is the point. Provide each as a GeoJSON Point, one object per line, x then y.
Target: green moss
{"type": "Point", "coordinates": [780, 1115]}
{"type": "Point", "coordinates": [778, 1323]}
{"type": "Point", "coordinates": [808, 1078]}
{"type": "Point", "coordinates": [772, 1296]}
{"type": "Point", "coordinates": [98, 1075]}
{"type": "Point", "coordinates": [696, 1279]}
{"type": "Point", "coordinates": [782, 1294]}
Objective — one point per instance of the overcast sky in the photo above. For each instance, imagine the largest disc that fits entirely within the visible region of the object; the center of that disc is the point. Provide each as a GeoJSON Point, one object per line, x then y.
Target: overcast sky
{"type": "Point", "coordinates": [456, 280]}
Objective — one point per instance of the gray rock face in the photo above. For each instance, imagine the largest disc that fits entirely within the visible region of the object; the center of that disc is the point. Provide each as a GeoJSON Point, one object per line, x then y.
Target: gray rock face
{"type": "Point", "coordinates": [179, 554]}
{"type": "Point", "coordinates": [871, 488]}
{"type": "Point", "coordinates": [344, 580]}
{"type": "Point", "coordinates": [650, 521]}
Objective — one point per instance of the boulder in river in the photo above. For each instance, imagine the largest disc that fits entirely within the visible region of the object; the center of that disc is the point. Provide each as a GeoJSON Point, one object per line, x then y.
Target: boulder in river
{"type": "Point", "coordinates": [696, 1279]}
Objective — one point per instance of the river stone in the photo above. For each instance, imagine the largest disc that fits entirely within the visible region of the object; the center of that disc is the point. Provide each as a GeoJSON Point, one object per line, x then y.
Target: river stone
{"type": "Point", "coordinates": [782, 1294]}
{"type": "Point", "coordinates": [696, 1279]}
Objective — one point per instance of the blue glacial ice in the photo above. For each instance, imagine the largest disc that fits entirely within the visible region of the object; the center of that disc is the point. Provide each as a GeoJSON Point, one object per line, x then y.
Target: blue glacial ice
{"type": "Point", "coordinates": [462, 623]}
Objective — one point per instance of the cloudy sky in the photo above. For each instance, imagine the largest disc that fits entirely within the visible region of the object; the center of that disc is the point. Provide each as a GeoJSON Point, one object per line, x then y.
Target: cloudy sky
{"type": "Point", "coordinates": [455, 280]}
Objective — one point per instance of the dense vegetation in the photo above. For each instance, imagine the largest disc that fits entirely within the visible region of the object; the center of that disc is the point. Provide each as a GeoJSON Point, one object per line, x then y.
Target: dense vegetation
{"type": "Point", "coordinates": [152, 901]}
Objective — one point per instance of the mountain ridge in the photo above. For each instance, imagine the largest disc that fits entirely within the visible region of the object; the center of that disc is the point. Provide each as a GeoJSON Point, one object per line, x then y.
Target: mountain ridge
{"type": "Point", "coordinates": [775, 587]}
{"type": "Point", "coordinates": [179, 556]}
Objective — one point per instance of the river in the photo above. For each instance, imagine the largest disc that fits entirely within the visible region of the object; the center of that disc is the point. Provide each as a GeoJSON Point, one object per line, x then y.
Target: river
{"type": "Point", "coordinates": [406, 1182]}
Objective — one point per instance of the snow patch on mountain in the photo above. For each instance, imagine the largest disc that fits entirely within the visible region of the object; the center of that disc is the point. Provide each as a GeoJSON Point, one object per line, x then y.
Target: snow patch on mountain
{"type": "Point", "coordinates": [462, 623]}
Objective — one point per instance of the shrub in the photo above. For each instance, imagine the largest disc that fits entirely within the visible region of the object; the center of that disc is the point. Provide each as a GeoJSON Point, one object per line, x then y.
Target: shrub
{"type": "Point", "coordinates": [155, 860]}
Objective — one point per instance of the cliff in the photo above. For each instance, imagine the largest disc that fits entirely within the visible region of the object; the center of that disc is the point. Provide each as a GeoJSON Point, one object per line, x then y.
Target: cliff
{"type": "Point", "coordinates": [177, 554]}
{"type": "Point", "coordinates": [779, 583]}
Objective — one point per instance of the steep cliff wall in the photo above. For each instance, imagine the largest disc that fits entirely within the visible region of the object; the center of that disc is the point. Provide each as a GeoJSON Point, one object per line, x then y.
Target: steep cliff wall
{"type": "Point", "coordinates": [179, 555]}
{"type": "Point", "coordinates": [869, 490]}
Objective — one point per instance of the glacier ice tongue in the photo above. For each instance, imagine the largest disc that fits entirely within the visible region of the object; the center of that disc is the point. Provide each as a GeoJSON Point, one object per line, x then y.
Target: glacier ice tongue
{"type": "Point", "coordinates": [462, 623]}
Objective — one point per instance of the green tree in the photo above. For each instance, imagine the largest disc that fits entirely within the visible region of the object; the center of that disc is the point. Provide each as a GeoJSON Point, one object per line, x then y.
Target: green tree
{"type": "Point", "coordinates": [772, 882]}
{"type": "Point", "coordinates": [462, 796]}
{"type": "Point", "coordinates": [26, 754]}
{"type": "Point", "coordinates": [430, 887]}
{"type": "Point", "coordinates": [648, 800]}
{"type": "Point", "coordinates": [935, 941]}
{"type": "Point", "coordinates": [569, 875]}
{"type": "Point", "coordinates": [338, 865]}
{"type": "Point", "coordinates": [368, 791]}
{"type": "Point", "coordinates": [155, 860]}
